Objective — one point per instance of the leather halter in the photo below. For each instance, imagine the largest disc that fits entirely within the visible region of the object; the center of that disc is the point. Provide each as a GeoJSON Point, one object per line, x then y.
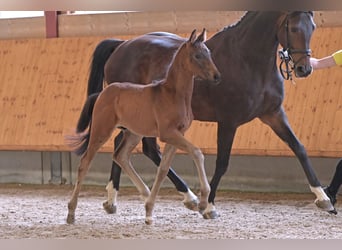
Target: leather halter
{"type": "Point", "coordinates": [285, 54]}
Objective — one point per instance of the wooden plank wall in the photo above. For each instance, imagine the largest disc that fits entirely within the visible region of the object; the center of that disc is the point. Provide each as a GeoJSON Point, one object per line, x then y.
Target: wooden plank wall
{"type": "Point", "coordinates": [43, 84]}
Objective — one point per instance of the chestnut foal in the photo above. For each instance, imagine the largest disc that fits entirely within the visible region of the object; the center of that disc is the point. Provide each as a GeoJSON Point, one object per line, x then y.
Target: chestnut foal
{"type": "Point", "coordinates": [161, 109]}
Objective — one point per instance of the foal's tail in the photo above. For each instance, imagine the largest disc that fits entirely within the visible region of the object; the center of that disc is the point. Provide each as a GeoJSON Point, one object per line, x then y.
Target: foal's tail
{"type": "Point", "coordinates": [79, 142]}
{"type": "Point", "coordinates": [100, 56]}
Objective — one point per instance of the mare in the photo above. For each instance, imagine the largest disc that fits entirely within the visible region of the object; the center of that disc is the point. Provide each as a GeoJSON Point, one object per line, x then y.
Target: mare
{"type": "Point", "coordinates": [251, 86]}
{"type": "Point", "coordinates": [159, 109]}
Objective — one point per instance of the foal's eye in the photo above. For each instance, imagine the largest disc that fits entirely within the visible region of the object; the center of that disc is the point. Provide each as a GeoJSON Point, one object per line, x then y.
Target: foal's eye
{"type": "Point", "coordinates": [198, 56]}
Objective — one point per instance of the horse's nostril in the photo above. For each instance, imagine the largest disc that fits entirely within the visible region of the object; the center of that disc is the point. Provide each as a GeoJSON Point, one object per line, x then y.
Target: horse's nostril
{"type": "Point", "coordinates": [301, 69]}
{"type": "Point", "coordinates": [217, 77]}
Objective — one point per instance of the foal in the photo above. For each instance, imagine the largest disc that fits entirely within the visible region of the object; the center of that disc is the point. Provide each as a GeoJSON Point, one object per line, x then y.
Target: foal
{"type": "Point", "coordinates": [161, 109]}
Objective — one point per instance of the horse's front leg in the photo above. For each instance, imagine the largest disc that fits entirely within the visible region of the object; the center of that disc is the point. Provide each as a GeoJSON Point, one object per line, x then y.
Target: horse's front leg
{"type": "Point", "coordinates": [280, 125]}
{"type": "Point", "coordinates": [163, 169]}
{"type": "Point", "coordinates": [225, 137]}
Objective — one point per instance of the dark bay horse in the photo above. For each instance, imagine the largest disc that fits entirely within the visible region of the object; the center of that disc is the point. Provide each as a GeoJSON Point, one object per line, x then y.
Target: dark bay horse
{"type": "Point", "coordinates": [251, 86]}
{"type": "Point", "coordinates": [160, 109]}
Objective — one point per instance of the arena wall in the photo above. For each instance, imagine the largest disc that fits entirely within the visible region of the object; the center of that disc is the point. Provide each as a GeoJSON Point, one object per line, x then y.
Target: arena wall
{"type": "Point", "coordinates": [43, 86]}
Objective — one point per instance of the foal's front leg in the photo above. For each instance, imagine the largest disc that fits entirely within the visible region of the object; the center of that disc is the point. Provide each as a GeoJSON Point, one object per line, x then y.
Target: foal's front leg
{"type": "Point", "coordinates": [179, 141]}
{"type": "Point", "coordinates": [163, 169]}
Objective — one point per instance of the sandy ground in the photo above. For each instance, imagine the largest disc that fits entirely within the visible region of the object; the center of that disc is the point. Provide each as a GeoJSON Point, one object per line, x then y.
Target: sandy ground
{"type": "Point", "coordinates": [39, 212]}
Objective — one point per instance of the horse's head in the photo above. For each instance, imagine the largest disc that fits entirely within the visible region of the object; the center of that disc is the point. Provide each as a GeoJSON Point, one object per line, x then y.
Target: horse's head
{"type": "Point", "coordinates": [294, 34]}
{"type": "Point", "coordinates": [200, 60]}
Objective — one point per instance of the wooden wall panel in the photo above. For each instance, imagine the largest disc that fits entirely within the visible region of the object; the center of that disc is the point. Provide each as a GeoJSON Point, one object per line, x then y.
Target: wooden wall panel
{"type": "Point", "coordinates": [43, 84]}
{"type": "Point", "coordinates": [135, 23]}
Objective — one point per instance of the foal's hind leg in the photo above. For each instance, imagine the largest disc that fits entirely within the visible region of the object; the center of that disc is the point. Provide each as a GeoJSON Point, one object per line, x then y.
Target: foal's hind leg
{"type": "Point", "coordinates": [83, 168]}
{"type": "Point", "coordinates": [278, 122]}
{"type": "Point", "coordinates": [122, 155]}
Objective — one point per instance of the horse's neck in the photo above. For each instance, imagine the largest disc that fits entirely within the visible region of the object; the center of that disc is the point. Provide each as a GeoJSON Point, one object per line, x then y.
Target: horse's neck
{"type": "Point", "coordinates": [255, 33]}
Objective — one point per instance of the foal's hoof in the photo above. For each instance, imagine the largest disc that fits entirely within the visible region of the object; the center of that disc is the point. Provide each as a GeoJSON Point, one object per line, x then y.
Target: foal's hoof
{"type": "Point", "coordinates": [109, 208]}
{"type": "Point", "coordinates": [148, 220]}
{"type": "Point", "coordinates": [192, 205]}
{"type": "Point", "coordinates": [210, 214]}
{"type": "Point", "coordinates": [325, 205]}
{"type": "Point", "coordinates": [71, 219]}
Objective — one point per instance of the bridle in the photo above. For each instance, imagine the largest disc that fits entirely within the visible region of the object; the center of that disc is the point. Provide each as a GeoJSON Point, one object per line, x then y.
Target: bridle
{"type": "Point", "coordinates": [285, 54]}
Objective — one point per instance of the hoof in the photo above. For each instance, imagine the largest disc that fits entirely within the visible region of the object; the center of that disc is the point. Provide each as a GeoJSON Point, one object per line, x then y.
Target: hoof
{"type": "Point", "coordinates": [210, 215]}
{"type": "Point", "coordinates": [331, 197]}
{"type": "Point", "coordinates": [109, 208]}
{"type": "Point", "coordinates": [324, 205]}
{"type": "Point", "coordinates": [71, 219]}
{"type": "Point", "coordinates": [334, 212]}
{"type": "Point", "coordinates": [192, 205]}
{"type": "Point", "coordinates": [148, 220]}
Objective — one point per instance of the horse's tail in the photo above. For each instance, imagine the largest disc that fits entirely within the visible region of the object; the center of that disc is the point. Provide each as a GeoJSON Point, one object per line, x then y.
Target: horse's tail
{"type": "Point", "coordinates": [100, 56]}
{"type": "Point", "coordinates": [79, 142]}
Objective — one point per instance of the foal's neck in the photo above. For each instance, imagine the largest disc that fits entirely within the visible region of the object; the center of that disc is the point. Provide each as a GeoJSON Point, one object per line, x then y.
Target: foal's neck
{"type": "Point", "coordinates": [179, 77]}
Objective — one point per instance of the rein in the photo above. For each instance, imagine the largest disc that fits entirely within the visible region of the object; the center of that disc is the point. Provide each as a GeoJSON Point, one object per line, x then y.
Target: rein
{"type": "Point", "coordinates": [285, 55]}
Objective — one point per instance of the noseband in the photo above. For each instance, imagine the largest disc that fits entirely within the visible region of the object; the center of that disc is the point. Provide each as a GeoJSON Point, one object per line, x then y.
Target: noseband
{"type": "Point", "coordinates": [285, 54]}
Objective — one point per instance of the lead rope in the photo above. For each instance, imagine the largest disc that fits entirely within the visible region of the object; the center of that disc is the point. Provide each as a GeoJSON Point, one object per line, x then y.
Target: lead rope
{"type": "Point", "coordinates": [286, 60]}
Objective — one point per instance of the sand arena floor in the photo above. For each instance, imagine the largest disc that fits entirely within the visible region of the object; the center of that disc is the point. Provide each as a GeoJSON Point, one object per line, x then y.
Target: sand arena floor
{"type": "Point", "coordinates": [39, 212]}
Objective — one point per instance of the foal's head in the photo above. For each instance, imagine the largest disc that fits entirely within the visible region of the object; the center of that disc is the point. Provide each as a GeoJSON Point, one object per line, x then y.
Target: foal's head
{"type": "Point", "coordinates": [294, 35]}
{"type": "Point", "coordinates": [199, 60]}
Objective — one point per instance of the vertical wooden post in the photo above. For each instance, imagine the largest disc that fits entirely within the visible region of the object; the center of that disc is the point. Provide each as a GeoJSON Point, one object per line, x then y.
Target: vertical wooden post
{"type": "Point", "coordinates": [51, 24]}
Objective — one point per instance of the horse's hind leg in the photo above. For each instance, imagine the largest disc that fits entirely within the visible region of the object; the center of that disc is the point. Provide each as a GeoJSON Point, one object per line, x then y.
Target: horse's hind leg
{"type": "Point", "coordinates": [163, 169]}
{"type": "Point", "coordinates": [152, 151]}
{"type": "Point", "coordinates": [110, 205]}
{"type": "Point", "coordinates": [278, 122]}
{"type": "Point", "coordinates": [122, 155]}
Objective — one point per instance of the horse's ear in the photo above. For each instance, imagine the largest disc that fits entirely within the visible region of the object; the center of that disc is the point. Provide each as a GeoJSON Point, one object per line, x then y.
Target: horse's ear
{"type": "Point", "coordinates": [192, 36]}
{"type": "Point", "coordinates": [202, 37]}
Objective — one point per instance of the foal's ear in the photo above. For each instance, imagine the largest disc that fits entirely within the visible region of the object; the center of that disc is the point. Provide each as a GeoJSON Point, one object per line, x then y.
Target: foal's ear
{"type": "Point", "coordinates": [202, 37]}
{"type": "Point", "coordinates": [192, 36]}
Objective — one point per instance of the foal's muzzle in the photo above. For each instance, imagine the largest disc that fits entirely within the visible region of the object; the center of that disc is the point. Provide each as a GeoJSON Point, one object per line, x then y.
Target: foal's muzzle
{"type": "Point", "coordinates": [217, 78]}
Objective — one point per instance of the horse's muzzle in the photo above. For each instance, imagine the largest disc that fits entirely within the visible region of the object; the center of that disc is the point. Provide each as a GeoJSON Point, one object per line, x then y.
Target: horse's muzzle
{"type": "Point", "coordinates": [303, 70]}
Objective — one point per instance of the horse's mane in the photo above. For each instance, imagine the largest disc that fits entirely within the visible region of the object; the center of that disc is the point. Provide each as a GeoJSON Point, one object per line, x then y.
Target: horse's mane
{"type": "Point", "coordinates": [248, 14]}
{"type": "Point", "coordinates": [243, 17]}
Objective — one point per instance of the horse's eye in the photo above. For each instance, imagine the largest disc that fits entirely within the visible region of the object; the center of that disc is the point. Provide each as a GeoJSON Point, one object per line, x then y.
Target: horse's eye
{"type": "Point", "coordinates": [294, 29]}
